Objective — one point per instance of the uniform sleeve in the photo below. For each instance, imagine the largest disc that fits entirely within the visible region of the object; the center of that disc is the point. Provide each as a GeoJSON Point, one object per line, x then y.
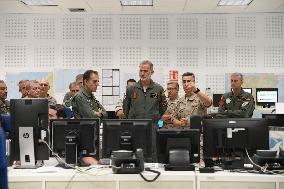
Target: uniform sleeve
{"type": "Point", "coordinates": [118, 106]}
{"type": "Point", "coordinates": [104, 113]}
{"type": "Point", "coordinates": [81, 108]}
{"type": "Point", "coordinates": [127, 102]}
{"type": "Point", "coordinates": [67, 96]}
{"type": "Point", "coordinates": [222, 108]}
{"type": "Point", "coordinates": [163, 104]}
{"type": "Point", "coordinates": [176, 111]}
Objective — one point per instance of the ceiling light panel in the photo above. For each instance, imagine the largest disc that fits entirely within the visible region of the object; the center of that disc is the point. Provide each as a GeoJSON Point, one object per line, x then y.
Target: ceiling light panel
{"type": "Point", "coordinates": [234, 2]}
{"type": "Point", "coordinates": [136, 2]}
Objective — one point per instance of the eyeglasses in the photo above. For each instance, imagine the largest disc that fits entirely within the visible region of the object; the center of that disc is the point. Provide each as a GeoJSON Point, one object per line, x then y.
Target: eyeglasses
{"type": "Point", "coordinates": [43, 84]}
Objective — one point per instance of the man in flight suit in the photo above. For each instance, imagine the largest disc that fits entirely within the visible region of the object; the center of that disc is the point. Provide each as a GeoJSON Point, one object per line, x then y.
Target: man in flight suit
{"type": "Point", "coordinates": [146, 100]}
{"type": "Point", "coordinates": [84, 103]}
{"type": "Point", "coordinates": [237, 103]}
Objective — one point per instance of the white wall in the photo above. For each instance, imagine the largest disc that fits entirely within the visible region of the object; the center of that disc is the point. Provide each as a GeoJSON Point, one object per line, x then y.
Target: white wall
{"type": "Point", "coordinates": [209, 45]}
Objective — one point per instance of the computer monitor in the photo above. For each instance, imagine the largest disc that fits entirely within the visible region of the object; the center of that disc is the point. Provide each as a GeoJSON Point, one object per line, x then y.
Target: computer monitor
{"type": "Point", "coordinates": [230, 137]}
{"type": "Point", "coordinates": [216, 99]}
{"type": "Point", "coordinates": [29, 120]}
{"type": "Point", "coordinates": [127, 134]}
{"type": "Point", "coordinates": [266, 96]}
{"type": "Point", "coordinates": [276, 120]}
{"type": "Point", "coordinates": [72, 138]}
{"type": "Point", "coordinates": [178, 147]}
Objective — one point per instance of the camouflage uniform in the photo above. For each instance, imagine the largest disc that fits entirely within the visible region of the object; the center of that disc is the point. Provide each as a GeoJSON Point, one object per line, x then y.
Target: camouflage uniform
{"type": "Point", "coordinates": [85, 104]}
{"type": "Point", "coordinates": [4, 107]}
{"type": "Point", "coordinates": [187, 106]}
{"type": "Point", "coordinates": [51, 100]}
{"type": "Point", "coordinates": [170, 110]}
{"type": "Point", "coordinates": [240, 106]}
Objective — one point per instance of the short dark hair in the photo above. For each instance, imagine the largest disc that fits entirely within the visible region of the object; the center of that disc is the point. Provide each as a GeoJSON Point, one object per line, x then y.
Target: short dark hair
{"type": "Point", "coordinates": [189, 74]}
{"type": "Point", "coordinates": [130, 80]}
{"type": "Point", "coordinates": [60, 110]}
{"type": "Point", "coordinates": [88, 73]}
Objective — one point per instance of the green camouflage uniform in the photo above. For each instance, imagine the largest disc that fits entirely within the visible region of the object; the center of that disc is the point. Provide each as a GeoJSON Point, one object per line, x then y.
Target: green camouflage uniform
{"type": "Point", "coordinates": [85, 104]}
{"type": "Point", "coordinates": [240, 106]}
{"type": "Point", "coordinates": [4, 107]}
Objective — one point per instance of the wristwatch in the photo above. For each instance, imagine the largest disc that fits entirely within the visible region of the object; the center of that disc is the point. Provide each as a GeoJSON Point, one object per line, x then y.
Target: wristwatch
{"type": "Point", "coordinates": [197, 91]}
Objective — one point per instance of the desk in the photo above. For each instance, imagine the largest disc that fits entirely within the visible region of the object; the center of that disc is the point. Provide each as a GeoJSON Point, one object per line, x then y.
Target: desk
{"type": "Point", "coordinates": [230, 180]}
{"type": "Point", "coordinates": [26, 179]}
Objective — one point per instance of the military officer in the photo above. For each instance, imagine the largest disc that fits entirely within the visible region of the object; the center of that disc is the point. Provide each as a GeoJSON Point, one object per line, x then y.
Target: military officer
{"type": "Point", "coordinates": [4, 104]}
{"type": "Point", "coordinates": [44, 88]}
{"type": "Point", "coordinates": [119, 106]}
{"type": "Point", "coordinates": [74, 88]}
{"type": "Point", "coordinates": [172, 89]}
{"type": "Point", "coordinates": [237, 103]}
{"type": "Point", "coordinates": [195, 102]}
{"type": "Point", "coordinates": [146, 99]}
{"type": "Point", "coordinates": [78, 79]}
{"type": "Point", "coordinates": [84, 103]}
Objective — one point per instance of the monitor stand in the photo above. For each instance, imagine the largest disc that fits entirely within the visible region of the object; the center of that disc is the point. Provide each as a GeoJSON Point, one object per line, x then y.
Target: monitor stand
{"type": "Point", "coordinates": [27, 152]}
{"type": "Point", "coordinates": [179, 160]}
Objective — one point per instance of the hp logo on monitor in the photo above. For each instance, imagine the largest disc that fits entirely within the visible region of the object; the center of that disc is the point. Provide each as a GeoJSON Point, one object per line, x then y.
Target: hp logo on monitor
{"type": "Point", "coordinates": [26, 135]}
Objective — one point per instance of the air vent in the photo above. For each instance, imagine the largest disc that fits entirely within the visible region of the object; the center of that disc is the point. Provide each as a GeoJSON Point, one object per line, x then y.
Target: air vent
{"type": "Point", "coordinates": [77, 10]}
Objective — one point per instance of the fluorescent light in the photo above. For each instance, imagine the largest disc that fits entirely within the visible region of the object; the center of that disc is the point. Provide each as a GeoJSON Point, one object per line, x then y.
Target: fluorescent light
{"type": "Point", "coordinates": [234, 2]}
{"type": "Point", "coordinates": [136, 2]}
{"type": "Point", "coordinates": [39, 2]}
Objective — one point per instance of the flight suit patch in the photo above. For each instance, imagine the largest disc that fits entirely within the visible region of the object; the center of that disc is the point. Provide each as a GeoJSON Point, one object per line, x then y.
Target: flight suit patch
{"type": "Point", "coordinates": [228, 101]}
{"type": "Point", "coordinates": [154, 95]}
{"type": "Point", "coordinates": [245, 103]}
{"type": "Point", "coordinates": [134, 95]}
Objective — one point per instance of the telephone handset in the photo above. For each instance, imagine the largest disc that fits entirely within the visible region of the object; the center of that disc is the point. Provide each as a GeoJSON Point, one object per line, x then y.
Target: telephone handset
{"type": "Point", "coordinates": [127, 162]}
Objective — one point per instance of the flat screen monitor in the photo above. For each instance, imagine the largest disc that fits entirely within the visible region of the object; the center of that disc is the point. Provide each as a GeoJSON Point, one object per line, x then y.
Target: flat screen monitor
{"type": "Point", "coordinates": [216, 99]}
{"type": "Point", "coordinates": [29, 120]}
{"type": "Point", "coordinates": [127, 134]}
{"type": "Point", "coordinates": [266, 96]}
{"type": "Point", "coordinates": [276, 120]}
{"type": "Point", "coordinates": [176, 139]}
{"type": "Point", "coordinates": [72, 138]}
{"type": "Point", "coordinates": [231, 136]}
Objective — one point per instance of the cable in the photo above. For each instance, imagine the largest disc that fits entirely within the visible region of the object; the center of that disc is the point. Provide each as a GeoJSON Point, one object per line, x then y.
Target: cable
{"type": "Point", "coordinates": [153, 171]}
{"type": "Point", "coordinates": [262, 169]}
{"type": "Point", "coordinates": [59, 159]}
